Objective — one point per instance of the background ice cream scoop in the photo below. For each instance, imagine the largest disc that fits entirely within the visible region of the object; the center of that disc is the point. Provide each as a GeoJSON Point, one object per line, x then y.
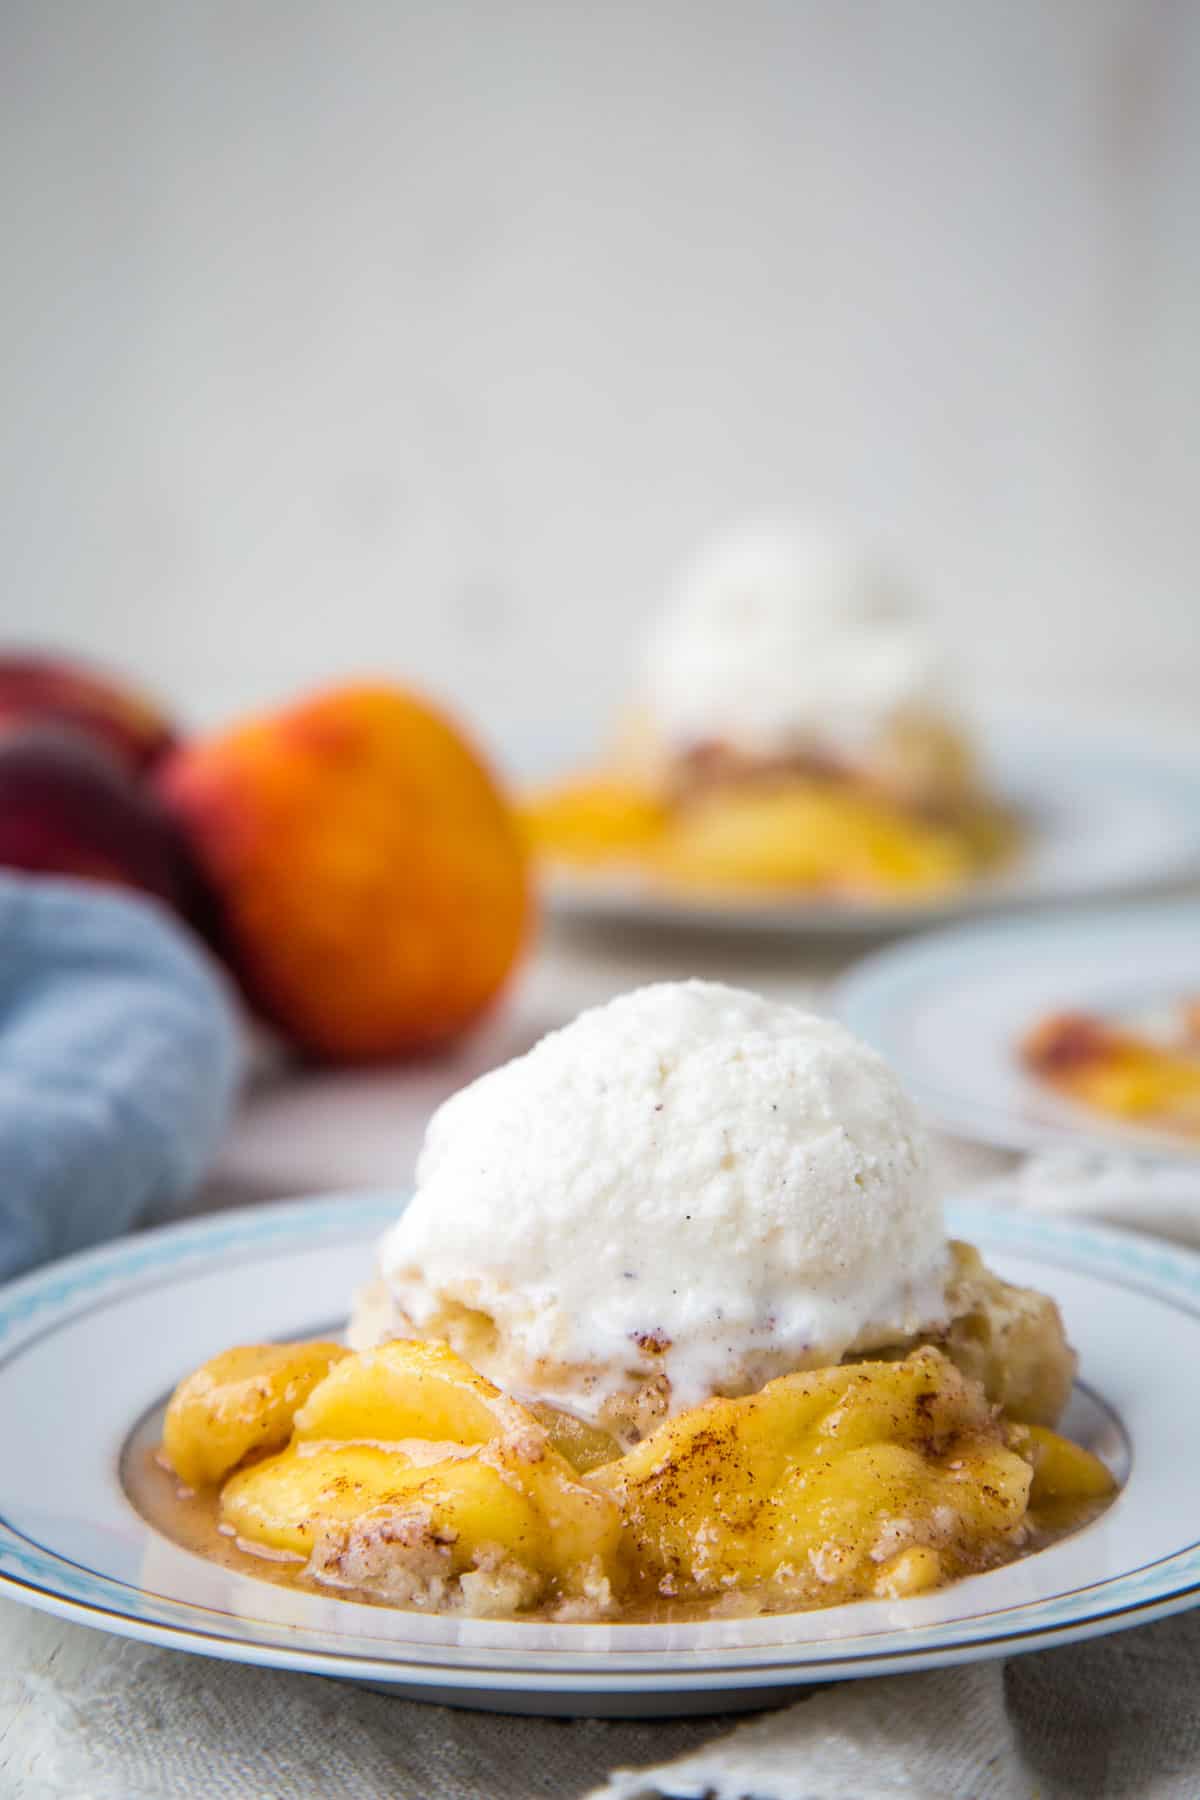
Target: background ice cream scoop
{"type": "Point", "coordinates": [691, 1183]}
{"type": "Point", "coordinates": [792, 638]}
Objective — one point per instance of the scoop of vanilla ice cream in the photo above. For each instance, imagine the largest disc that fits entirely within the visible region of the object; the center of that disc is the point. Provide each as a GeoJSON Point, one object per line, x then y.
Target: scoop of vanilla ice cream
{"type": "Point", "coordinates": [787, 639]}
{"type": "Point", "coordinates": [691, 1181]}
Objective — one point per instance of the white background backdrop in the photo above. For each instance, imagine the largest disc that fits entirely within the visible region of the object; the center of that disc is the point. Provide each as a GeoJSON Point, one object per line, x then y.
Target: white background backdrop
{"type": "Point", "coordinates": [427, 337]}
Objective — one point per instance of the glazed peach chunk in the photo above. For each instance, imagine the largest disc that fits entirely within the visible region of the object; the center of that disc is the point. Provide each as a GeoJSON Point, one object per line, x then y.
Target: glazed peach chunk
{"type": "Point", "coordinates": [593, 819]}
{"type": "Point", "coordinates": [408, 1389]}
{"type": "Point", "coordinates": [809, 836]}
{"type": "Point", "coordinates": [1121, 1072]}
{"type": "Point", "coordinates": [412, 1478]}
{"type": "Point", "coordinates": [369, 1518]}
{"type": "Point", "coordinates": [242, 1401]}
{"type": "Point", "coordinates": [829, 1485]}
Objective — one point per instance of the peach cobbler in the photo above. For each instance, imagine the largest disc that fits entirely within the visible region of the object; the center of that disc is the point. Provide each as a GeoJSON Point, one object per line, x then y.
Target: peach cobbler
{"type": "Point", "coordinates": [790, 733]}
{"type": "Point", "coordinates": [671, 1328]}
{"type": "Point", "coordinates": [1142, 1074]}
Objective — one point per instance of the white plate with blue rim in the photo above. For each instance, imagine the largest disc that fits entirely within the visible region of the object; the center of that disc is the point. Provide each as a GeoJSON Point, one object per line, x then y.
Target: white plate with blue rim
{"type": "Point", "coordinates": [949, 1010]}
{"type": "Point", "coordinates": [91, 1347]}
{"type": "Point", "coordinates": [1106, 812]}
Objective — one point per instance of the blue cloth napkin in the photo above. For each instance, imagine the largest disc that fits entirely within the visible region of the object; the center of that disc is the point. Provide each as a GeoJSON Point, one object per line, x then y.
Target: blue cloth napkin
{"type": "Point", "coordinates": [119, 1057]}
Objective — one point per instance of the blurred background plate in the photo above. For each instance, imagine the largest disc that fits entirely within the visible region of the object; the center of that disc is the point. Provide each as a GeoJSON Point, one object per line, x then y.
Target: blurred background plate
{"type": "Point", "coordinates": [949, 1009]}
{"type": "Point", "coordinates": [1108, 812]}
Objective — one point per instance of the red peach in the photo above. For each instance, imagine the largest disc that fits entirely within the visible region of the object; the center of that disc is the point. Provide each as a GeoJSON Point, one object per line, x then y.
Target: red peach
{"type": "Point", "coordinates": [70, 806]}
{"type": "Point", "coordinates": [56, 690]}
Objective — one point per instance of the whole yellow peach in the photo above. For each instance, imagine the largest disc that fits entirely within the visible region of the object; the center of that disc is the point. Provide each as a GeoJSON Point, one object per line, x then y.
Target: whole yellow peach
{"type": "Point", "coordinates": [370, 873]}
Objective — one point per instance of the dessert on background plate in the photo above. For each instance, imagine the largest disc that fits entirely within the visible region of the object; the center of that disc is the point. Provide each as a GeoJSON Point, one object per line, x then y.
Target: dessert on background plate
{"type": "Point", "coordinates": [953, 1009]}
{"type": "Point", "coordinates": [1144, 1070]}
{"type": "Point", "coordinates": [671, 1328]}
{"type": "Point", "coordinates": [791, 731]}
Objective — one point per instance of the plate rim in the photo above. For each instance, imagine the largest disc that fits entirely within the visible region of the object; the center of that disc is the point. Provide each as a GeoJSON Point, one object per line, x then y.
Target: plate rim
{"type": "Point", "coordinates": [63, 1291]}
{"type": "Point", "coordinates": [426, 1672]}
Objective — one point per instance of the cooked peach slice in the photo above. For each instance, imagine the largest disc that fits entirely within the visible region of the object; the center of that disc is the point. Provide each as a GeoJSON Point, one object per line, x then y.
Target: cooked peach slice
{"type": "Point", "coordinates": [408, 1389]}
{"type": "Point", "coordinates": [288, 1501]}
{"type": "Point", "coordinates": [369, 1517]}
{"type": "Point", "coordinates": [1118, 1071]}
{"type": "Point", "coordinates": [585, 1446]}
{"type": "Point", "coordinates": [821, 1483]}
{"type": "Point", "coordinates": [581, 1525]}
{"type": "Point", "coordinates": [805, 835]}
{"type": "Point", "coordinates": [593, 819]}
{"type": "Point", "coordinates": [1063, 1471]}
{"type": "Point", "coordinates": [241, 1401]}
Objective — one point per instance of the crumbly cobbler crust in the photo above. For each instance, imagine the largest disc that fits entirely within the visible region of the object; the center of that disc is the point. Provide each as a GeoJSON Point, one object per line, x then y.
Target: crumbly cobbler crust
{"type": "Point", "coordinates": [1010, 1339]}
